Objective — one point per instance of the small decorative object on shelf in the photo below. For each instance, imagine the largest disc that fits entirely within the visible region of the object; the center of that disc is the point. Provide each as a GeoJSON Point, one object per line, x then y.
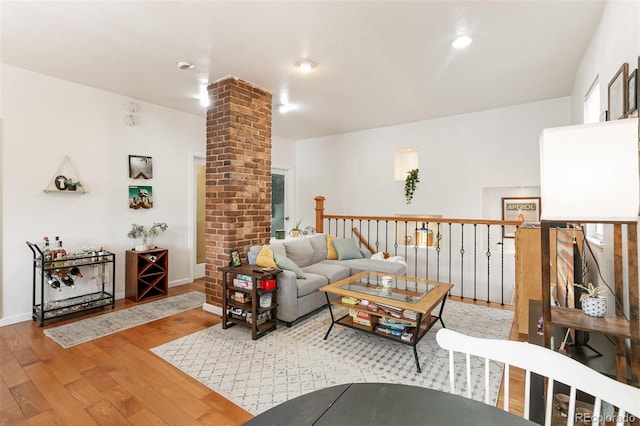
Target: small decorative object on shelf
{"type": "Point", "coordinates": [235, 258]}
{"type": "Point", "coordinates": [592, 303]}
{"type": "Point", "coordinates": [410, 184]}
{"type": "Point", "coordinates": [73, 185]}
{"type": "Point", "coordinates": [142, 233]}
{"type": "Point", "coordinates": [296, 231]}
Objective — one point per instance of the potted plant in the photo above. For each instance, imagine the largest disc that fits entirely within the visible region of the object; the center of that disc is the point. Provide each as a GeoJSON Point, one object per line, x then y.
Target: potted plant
{"type": "Point", "coordinates": [140, 232]}
{"type": "Point", "coordinates": [155, 230]}
{"type": "Point", "coordinates": [296, 231]}
{"type": "Point", "coordinates": [410, 184]}
{"type": "Point", "coordinates": [592, 303]}
{"type": "Point", "coordinates": [72, 185]}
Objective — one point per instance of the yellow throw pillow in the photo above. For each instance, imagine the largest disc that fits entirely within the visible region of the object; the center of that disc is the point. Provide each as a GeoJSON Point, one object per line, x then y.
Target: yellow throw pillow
{"type": "Point", "coordinates": [332, 254]}
{"type": "Point", "coordinates": [265, 258]}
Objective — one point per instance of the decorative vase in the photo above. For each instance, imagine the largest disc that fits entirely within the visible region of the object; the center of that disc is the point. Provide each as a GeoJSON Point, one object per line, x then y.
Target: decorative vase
{"type": "Point", "coordinates": [295, 233]}
{"type": "Point", "coordinates": [595, 306]}
{"type": "Point", "coordinates": [142, 246]}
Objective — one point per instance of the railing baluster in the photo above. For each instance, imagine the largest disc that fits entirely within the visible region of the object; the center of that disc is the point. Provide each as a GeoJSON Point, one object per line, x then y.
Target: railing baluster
{"type": "Point", "coordinates": [450, 254]}
{"type": "Point", "coordinates": [475, 259]}
{"type": "Point", "coordinates": [502, 270]}
{"type": "Point", "coordinates": [426, 256]}
{"type": "Point", "coordinates": [462, 260]}
{"type": "Point", "coordinates": [395, 243]}
{"type": "Point", "coordinates": [488, 261]}
{"type": "Point", "coordinates": [438, 254]}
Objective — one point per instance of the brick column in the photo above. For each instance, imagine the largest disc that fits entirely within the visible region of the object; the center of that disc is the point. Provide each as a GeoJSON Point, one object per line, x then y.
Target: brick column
{"type": "Point", "coordinates": [238, 194]}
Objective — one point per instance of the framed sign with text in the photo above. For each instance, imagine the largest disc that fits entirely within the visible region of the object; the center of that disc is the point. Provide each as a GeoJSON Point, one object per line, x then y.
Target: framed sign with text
{"type": "Point", "coordinates": [522, 209]}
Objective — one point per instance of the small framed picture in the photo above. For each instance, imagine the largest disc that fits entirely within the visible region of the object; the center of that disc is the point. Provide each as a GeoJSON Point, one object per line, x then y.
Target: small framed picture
{"type": "Point", "coordinates": [521, 209]}
{"type": "Point", "coordinates": [632, 93]}
{"type": "Point", "coordinates": [140, 167]}
{"type": "Point", "coordinates": [618, 94]}
{"type": "Point", "coordinates": [235, 258]}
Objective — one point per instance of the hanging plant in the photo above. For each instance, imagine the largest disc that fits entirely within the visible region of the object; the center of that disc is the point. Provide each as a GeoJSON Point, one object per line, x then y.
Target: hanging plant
{"type": "Point", "coordinates": [410, 184]}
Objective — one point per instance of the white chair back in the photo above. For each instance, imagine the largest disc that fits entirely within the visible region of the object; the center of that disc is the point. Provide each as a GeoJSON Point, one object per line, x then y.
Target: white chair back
{"type": "Point", "coordinates": [545, 362]}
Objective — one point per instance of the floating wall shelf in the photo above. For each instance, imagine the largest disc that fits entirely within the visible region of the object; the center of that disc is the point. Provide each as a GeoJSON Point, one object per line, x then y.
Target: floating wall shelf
{"type": "Point", "coordinates": [59, 183]}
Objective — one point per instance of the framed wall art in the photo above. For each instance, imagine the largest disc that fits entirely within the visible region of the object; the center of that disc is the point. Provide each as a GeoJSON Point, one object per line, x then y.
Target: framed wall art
{"type": "Point", "coordinates": [140, 197]}
{"type": "Point", "coordinates": [522, 209]}
{"type": "Point", "coordinates": [617, 95]}
{"type": "Point", "coordinates": [632, 93]}
{"type": "Point", "coordinates": [140, 167]}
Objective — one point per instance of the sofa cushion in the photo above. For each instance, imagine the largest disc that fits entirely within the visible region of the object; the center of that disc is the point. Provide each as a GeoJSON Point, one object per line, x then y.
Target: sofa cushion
{"type": "Point", "coordinates": [275, 247]}
{"type": "Point", "coordinates": [284, 262]}
{"type": "Point", "coordinates": [332, 254]}
{"type": "Point", "coordinates": [265, 258]}
{"type": "Point", "coordinates": [347, 248]}
{"type": "Point", "coordinates": [333, 271]}
{"type": "Point", "coordinates": [319, 244]}
{"type": "Point", "coordinates": [311, 285]}
{"type": "Point", "coordinates": [300, 251]}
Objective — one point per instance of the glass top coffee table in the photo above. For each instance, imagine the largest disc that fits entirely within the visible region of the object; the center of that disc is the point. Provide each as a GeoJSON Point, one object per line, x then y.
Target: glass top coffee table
{"type": "Point", "coordinates": [395, 307]}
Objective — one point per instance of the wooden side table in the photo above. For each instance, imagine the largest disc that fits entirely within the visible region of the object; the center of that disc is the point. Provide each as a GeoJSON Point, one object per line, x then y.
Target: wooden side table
{"type": "Point", "coordinates": [249, 282]}
{"type": "Point", "coordinates": [146, 274]}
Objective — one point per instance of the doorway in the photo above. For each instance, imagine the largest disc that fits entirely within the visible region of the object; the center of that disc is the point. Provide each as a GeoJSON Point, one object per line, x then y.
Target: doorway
{"type": "Point", "coordinates": [197, 216]}
{"type": "Point", "coordinates": [281, 200]}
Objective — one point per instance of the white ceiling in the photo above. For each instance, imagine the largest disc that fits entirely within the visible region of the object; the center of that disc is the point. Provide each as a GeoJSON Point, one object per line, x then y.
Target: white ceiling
{"type": "Point", "coordinates": [380, 63]}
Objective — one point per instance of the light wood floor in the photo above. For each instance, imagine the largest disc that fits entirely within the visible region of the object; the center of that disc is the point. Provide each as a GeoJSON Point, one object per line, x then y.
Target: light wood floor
{"type": "Point", "coordinates": [116, 379]}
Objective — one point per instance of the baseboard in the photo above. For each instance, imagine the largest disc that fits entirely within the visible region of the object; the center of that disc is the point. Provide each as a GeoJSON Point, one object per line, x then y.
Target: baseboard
{"type": "Point", "coordinates": [15, 319]}
{"type": "Point", "coordinates": [183, 281]}
{"type": "Point", "coordinates": [208, 307]}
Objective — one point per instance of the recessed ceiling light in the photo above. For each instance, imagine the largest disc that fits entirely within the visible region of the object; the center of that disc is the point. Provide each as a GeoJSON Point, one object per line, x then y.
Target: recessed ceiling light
{"type": "Point", "coordinates": [184, 65]}
{"type": "Point", "coordinates": [461, 42]}
{"type": "Point", "coordinates": [305, 65]}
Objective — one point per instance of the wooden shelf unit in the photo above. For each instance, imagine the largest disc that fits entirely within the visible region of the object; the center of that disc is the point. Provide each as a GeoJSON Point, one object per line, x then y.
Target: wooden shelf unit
{"type": "Point", "coordinates": [621, 329]}
{"type": "Point", "coordinates": [528, 269]}
{"type": "Point", "coordinates": [255, 274]}
{"type": "Point", "coordinates": [147, 274]}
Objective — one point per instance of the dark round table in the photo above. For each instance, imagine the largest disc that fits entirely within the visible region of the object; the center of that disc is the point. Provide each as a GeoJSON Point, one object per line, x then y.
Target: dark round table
{"type": "Point", "coordinates": [384, 404]}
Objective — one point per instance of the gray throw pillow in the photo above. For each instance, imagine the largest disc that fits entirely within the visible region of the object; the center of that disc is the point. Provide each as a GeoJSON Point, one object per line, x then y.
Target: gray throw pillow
{"type": "Point", "coordinates": [347, 248]}
{"type": "Point", "coordinates": [284, 262]}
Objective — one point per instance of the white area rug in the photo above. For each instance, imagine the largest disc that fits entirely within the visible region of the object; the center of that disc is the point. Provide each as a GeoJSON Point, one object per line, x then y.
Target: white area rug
{"type": "Point", "coordinates": [289, 362]}
{"type": "Point", "coordinates": [74, 333]}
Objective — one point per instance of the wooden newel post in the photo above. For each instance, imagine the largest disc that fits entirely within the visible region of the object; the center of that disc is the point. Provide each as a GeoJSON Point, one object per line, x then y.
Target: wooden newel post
{"type": "Point", "coordinates": [319, 214]}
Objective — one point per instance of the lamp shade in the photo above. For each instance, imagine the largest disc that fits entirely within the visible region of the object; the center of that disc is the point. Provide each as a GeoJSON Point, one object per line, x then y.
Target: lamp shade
{"type": "Point", "coordinates": [589, 173]}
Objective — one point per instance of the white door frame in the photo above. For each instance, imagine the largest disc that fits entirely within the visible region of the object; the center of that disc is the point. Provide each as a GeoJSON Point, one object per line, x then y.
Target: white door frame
{"type": "Point", "coordinates": [195, 270]}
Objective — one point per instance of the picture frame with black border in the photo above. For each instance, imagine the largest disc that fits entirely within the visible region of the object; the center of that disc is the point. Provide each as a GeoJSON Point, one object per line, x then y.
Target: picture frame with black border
{"type": "Point", "coordinates": [632, 94]}
{"type": "Point", "coordinates": [617, 94]}
{"type": "Point", "coordinates": [234, 258]}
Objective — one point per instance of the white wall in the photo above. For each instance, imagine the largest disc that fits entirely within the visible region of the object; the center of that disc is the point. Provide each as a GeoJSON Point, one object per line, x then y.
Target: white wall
{"type": "Point", "coordinates": [460, 158]}
{"type": "Point", "coordinates": [616, 41]}
{"type": "Point", "coordinates": [45, 119]}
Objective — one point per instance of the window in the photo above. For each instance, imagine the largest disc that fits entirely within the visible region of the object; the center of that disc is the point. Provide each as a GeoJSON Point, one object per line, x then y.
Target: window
{"type": "Point", "coordinates": [591, 114]}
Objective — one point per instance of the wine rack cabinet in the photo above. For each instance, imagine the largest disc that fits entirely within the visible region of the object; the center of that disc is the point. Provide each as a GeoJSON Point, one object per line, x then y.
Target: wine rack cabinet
{"type": "Point", "coordinates": [147, 274]}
